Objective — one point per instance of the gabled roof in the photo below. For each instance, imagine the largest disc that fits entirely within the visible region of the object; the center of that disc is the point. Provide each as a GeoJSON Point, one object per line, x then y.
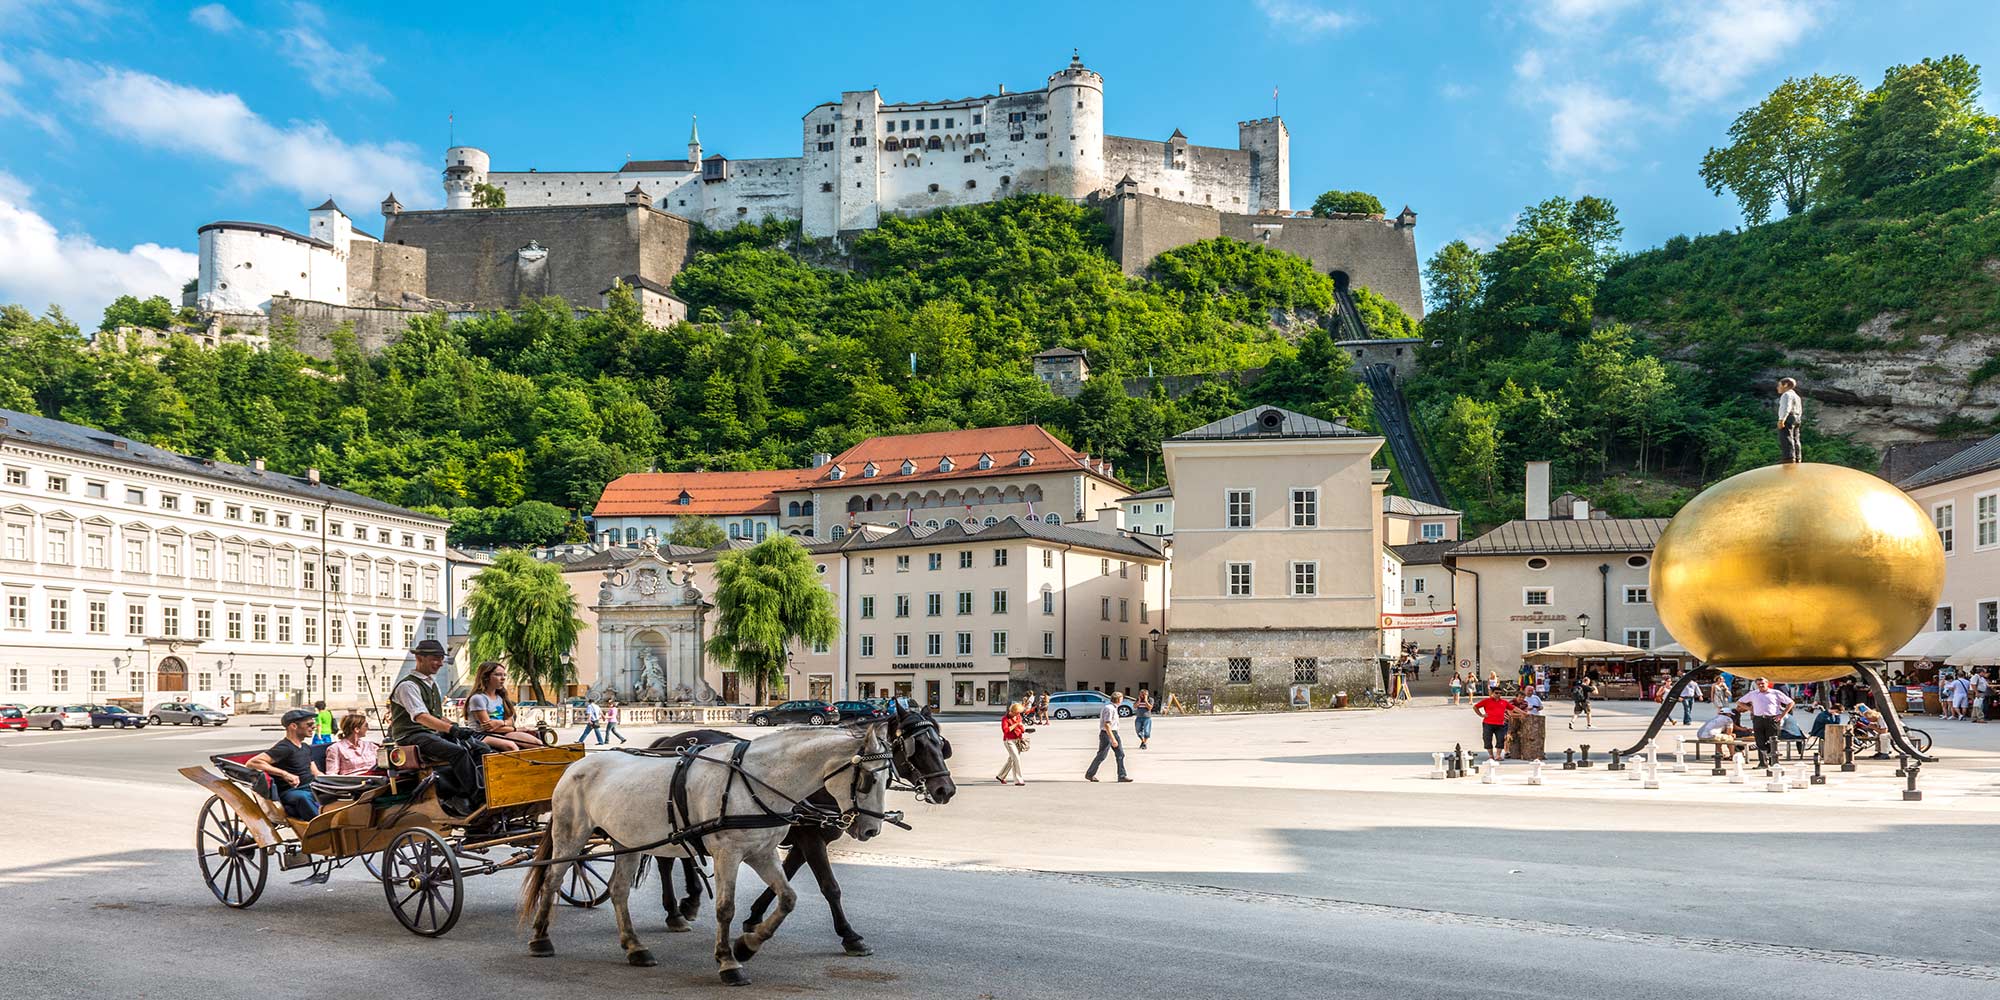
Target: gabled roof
{"type": "Point", "coordinates": [1008, 528]}
{"type": "Point", "coordinates": [1556, 537]}
{"type": "Point", "coordinates": [637, 281]}
{"type": "Point", "coordinates": [1164, 492]}
{"type": "Point", "coordinates": [1060, 352]}
{"type": "Point", "coordinates": [655, 166]}
{"type": "Point", "coordinates": [638, 494]}
{"type": "Point", "coordinates": [76, 439]}
{"type": "Point", "coordinates": [1978, 458]}
{"type": "Point", "coordinates": [1409, 507]}
{"type": "Point", "coordinates": [963, 447]}
{"type": "Point", "coordinates": [1421, 553]}
{"type": "Point", "coordinates": [1250, 425]}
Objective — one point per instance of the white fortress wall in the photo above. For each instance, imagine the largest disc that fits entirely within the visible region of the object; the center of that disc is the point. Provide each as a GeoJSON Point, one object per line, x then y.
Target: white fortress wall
{"type": "Point", "coordinates": [242, 266]}
{"type": "Point", "coordinates": [1198, 175]}
{"type": "Point", "coordinates": [756, 190]}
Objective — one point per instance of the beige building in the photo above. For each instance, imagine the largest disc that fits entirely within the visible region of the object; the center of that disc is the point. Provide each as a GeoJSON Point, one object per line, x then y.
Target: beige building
{"type": "Point", "coordinates": [1279, 559]}
{"type": "Point", "coordinates": [1405, 521]}
{"type": "Point", "coordinates": [1962, 495]}
{"type": "Point", "coordinates": [1549, 577]}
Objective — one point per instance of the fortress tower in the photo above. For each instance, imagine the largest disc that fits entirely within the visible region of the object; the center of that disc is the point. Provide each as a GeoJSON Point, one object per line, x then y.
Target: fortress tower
{"type": "Point", "coordinates": [465, 168]}
{"type": "Point", "coordinates": [1270, 146]}
{"type": "Point", "coordinates": [1076, 131]}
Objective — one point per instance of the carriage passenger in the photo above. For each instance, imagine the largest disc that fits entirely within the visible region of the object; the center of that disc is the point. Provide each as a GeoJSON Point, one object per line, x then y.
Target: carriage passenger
{"type": "Point", "coordinates": [353, 752]}
{"type": "Point", "coordinates": [491, 711]}
{"type": "Point", "coordinates": [289, 763]}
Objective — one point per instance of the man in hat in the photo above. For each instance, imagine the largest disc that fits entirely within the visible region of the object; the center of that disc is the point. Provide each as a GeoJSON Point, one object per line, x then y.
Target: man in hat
{"type": "Point", "coordinates": [416, 718]}
{"type": "Point", "coordinates": [289, 763]}
{"type": "Point", "coordinates": [1791, 413]}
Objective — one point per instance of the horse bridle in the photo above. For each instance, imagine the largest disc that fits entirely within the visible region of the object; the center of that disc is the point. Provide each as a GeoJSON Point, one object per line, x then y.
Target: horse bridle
{"type": "Point", "coordinates": [907, 734]}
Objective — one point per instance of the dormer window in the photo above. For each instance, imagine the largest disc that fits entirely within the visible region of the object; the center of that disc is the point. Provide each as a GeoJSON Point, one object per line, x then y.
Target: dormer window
{"type": "Point", "coordinates": [985, 461]}
{"type": "Point", "coordinates": [1025, 459]}
{"type": "Point", "coordinates": [909, 467]}
{"type": "Point", "coordinates": [868, 471]}
{"type": "Point", "coordinates": [684, 499]}
{"type": "Point", "coordinates": [944, 464]}
{"type": "Point", "coordinates": [837, 473]}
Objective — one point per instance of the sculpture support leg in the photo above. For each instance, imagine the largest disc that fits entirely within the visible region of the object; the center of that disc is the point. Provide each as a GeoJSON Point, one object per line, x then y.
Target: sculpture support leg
{"type": "Point", "coordinates": [1667, 707]}
{"type": "Point", "coordinates": [1888, 707]}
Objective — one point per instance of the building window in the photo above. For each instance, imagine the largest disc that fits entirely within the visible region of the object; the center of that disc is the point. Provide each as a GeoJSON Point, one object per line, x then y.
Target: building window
{"type": "Point", "coordinates": [134, 495]}
{"type": "Point", "coordinates": [934, 644]}
{"type": "Point", "coordinates": [1944, 618]}
{"type": "Point", "coordinates": [902, 564]}
{"type": "Point", "coordinates": [385, 633]}
{"type": "Point", "coordinates": [965, 559]}
{"type": "Point", "coordinates": [1535, 597]}
{"type": "Point", "coordinates": [60, 484]}
{"type": "Point", "coordinates": [867, 645]}
{"type": "Point", "coordinates": [1144, 617]}
{"type": "Point", "coordinates": [260, 627]}
{"type": "Point", "coordinates": [203, 563]}
{"type": "Point", "coordinates": [1104, 647]}
{"type": "Point", "coordinates": [93, 491]}
{"type": "Point", "coordinates": [1124, 648]}
{"type": "Point", "coordinates": [59, 614]}
{"type": "Point", "coordinates": [1943, 515]}
{"type": "Point", "coordinates": [1239, 579]}
{"type": "Point", "coordinates": [933, 605]}
{"type": "Point", "coordinates": [1305, 670]}
{"type": "Point", "coordinates": [170, 559]}
{"type": "Point", "coordinates": [965, 644]}
{"type": "Point", "coordinates": [1241, 507]}
{"type": "Point", "coordinates": [1048, 644]}
{"type": "Point", "coordinates": [17, 542]}
{"type": "Point", "coordinates": [999, 602]}
{"type": "Point", "coordinates": [965, 602]}
{"type": "Point", "coordinates": [1104, 567]}
{"type": "Point", "coordinates": [135, 619]}
{"type": "Point", "coordinates": [234, 622]}
{"type": "Point", "coordinates": [17, 611]}
{"type": "Point", "coordinates": [17, 678]}
{"type": "Point", "coordinates": [1048, 600]}
{"type": "Point", "coordinates": [309, 575]}
{"type": "Point", "coordinates": [284, 628]}
{"type": "Point", "coordinates": [310, 630]}
{"type": "Point", "coordinates": [1537, 563]}
{"type": "Point", "coordinates": [1305, 508]}
{"type": "Point", "coordinates": [232, 512]}
{"type": "Point", "coordinates": [903, 645]}
{"type": "Point", "coordinates": [935, 561]}
{"type": "Point", "coordinates": [1986, 521]}
{"type": "Point", "coordinates": [1638, 595]}
{"type": "Point", "coordinates": [94, 556]}
{"type": "Point", "coordinates": [1305, 579]}
{"type": "Point", "coordinates": [17, 477]}
{"type": "Point", "coordinates": [1239, 670]}
{"type": "Point", "coordinates": [1639, 637]}
{"type": "Point", "coordinates": [1145, 650]}
{"type": "Point", "coordinates": [1432, 532]}
{"type": "Point", "coordinates": [59, 680]}
{"type": "Point", "coordinates": [1534, 639]}
{"type": "Point", "coordinates": [1048, 558]}
{"type": "Point", "coordinates": [100, 618]}
{"type": "Point", "coordinates": [203, 508]}
{"type": "Point", "coordinates": [1124, 609]}
{"type": "Point", "coordinates": [58, 546]}
{"type": "Point", "coordinates": [1989, 616]}
{"type": "Point", "coordinates": [902, 605]}
{"type": "Point", "coordinates": [204, 623]}
{"type": "Point", "coordinates": [999, 557]}
{"type": "Point", "coordinates": [868, 607]}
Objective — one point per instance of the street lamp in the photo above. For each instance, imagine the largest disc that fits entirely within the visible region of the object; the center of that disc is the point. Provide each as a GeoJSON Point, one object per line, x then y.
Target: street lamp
{"type": "Point", "coordinates": [1583, 622]}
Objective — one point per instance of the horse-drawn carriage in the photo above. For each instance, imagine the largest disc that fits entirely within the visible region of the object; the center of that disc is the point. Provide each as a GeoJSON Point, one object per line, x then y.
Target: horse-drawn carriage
{"type": "Point", "coordinates": [394, 823]}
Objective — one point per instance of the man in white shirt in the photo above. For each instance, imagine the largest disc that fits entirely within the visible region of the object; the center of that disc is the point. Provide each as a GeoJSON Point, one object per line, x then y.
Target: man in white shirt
{"type": "Point", "coordinates": [1768, 708]}
{"type": "Point", "coordinates": [1107, 738]}
{"type": "Point", "coordinates": [1791, 414]}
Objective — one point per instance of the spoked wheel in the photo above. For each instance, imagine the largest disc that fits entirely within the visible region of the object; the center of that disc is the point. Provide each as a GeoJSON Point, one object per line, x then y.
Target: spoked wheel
{"type": "Point", "coordinates": [231, 862]}
{"type": "Point", "coordinates": [420, 877]}
{"type": "Point", "coordinates": [1919, 739]}
{"type": "Point", "coordinates": [373, 862]}
{"type": "Point", "coordinates": [587, 884]}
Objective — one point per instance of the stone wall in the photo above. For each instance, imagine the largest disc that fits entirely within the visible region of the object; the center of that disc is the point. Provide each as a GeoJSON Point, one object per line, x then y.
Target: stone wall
{"type": "Point", "coordinates": [1204, 176]}
{"type": "Point", "coordinates": [1144, 227]}
{"type": "Point", "coordinates": [374, 328]}
{"type": "Point", "coordinates": [473, 255]}
{"type": "Point", "coordinates": [1199, 658]}
{"type": "Point", "coordinates": [383, 274]}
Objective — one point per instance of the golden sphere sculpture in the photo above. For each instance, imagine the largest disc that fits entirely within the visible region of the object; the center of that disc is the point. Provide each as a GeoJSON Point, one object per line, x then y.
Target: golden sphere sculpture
{"type": "Point", "coordinates": [1797, 562]}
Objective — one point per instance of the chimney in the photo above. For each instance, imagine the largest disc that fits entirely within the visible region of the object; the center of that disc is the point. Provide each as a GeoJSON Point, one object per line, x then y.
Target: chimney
{"type": "Point", "coordinates": [1538, 491]}
{"type": "Point", "coordinates": [1110, 519]}
{"type": "Point", "coordinates": [820, 459]}
{"type": "Point", "coordinates": [1582, 510]}
{"type": "Point", "coordinates": [257, 465]}
{"type": "Point", "coordinates": [312, 476]}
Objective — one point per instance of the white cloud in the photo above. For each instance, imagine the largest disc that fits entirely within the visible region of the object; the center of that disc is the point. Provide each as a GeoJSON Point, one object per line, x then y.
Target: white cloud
{"type": "Point", "coordinates": [303, 157]}
{"type": "Point", "coordinates": [11, 105]}
{"type": "Point", "coordinates": [1304, 18]}
{"type": "Point", "coordinates": [215, 17]}
{"type": "Point", "coordinates": [1708, 49]}
{"type": "Point", "coordinates": [1578, 15]}
{"type": "Point", "coordinates": [329, 69]}
{"type": "Point", "coordinates": [43, 266]}
{"type": "Point", "coordinates": [1585, 126]}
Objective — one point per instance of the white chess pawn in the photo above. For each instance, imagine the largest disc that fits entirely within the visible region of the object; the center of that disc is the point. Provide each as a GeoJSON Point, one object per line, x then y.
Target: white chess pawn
{"type": "Point", "coordinates": [1652, 774]}
{"type": "Point", "coordinates": [1437, 765]}
{"type": "Point", "coordinates": [1800, 777]}
{"type": "Point", "coordinates": [1736, 770]}
{"type": "Point", "coordinates": [1680, 757]}
{"type": "Point", "coordinates": [1777, 782]}
{"type": "Point", "coordinates": [1492, 773]}
{"type": "Point", "coordinates": [1536, 777]}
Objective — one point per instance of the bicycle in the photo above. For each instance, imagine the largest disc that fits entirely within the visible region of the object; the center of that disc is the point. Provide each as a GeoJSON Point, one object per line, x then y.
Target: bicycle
{"type": "Point", "coordinates": [1377, 698]}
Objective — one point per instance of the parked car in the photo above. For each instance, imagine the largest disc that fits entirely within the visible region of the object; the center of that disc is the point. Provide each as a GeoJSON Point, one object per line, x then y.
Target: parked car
{"type": "Point", "coordinates": [862, 710]}
{"type": "Point", "coordinates": [179, 712]}
{"type": "Point", "coordinates": [112, 715]}
{"type": "Point", "coordinates": [11, 717]}
{"type": "Point", "coordinates": [810, 712]}
{"type": "Point", "coordinates": [59, 716]}
{"type": "Point", "coordinates": [1083, 705]}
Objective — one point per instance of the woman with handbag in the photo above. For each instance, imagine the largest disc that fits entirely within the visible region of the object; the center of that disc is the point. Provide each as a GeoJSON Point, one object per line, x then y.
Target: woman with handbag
{"type": "Point", "coordinates": [1014, 736]}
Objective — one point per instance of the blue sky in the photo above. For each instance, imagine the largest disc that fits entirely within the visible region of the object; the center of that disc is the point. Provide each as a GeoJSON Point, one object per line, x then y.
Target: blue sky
{"type": "Point", "coordinates": [126, 125]}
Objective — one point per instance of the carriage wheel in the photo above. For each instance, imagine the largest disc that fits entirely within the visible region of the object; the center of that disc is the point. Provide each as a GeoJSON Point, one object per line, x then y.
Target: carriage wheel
{"type": "Point", "coordinates": [587, 884]}
{"type": "Point", "coordinates": [421, 879]}
{"type": "Point", "coordinates": [231, 862]}
{"type": "Point", "coordinates": [373, 863]}
{"type": "Point", "coordinates": [1919, 739]}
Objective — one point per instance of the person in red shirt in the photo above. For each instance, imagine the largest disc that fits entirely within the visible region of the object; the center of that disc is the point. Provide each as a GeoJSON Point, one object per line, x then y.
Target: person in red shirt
{"type": "Point", "coordinates": [1013, 732]}
{"type": "Point", "coordinates": [1492, 711]}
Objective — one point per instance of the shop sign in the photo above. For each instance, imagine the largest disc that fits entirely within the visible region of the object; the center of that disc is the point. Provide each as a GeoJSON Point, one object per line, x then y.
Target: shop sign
{"type": "Point", "coordinates": [1430, 620]}
{"type": "Point", "coordinates": [1538, 617]}
{"type": "Point", "coordinates": [1204, 699]}
{"type": "Point", "coordinates": [949, 665]}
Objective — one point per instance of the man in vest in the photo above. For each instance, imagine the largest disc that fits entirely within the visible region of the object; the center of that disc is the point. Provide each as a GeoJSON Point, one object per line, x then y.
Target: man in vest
{"type": "Point", "coordinates": [416, 718]}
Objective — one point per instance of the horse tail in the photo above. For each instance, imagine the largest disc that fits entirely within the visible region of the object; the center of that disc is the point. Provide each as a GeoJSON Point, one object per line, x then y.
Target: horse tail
{"type": "Point", "coordinates": [537, 881]}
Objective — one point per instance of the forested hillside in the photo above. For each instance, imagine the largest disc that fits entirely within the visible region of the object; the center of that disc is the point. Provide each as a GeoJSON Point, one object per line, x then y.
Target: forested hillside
{"type": "Point", "coordinates": [513, 423]}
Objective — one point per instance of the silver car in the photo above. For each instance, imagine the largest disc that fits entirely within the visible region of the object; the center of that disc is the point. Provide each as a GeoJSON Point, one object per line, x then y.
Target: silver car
{"type": "Point", "coordinates": [186, 712]}
{"type": "Point", "coordinates": [59, 716]}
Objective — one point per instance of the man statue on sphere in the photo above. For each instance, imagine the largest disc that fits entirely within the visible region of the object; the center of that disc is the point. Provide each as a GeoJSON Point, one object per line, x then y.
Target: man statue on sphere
{"type": "Point", "coordinates": [1791, 413]}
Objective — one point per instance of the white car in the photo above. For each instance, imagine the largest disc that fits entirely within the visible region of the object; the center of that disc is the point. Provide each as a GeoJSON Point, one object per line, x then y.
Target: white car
{"type": "Point", "coordinates": [1083, 705]}
{"type": "Point", "coordinates": [59, 716]}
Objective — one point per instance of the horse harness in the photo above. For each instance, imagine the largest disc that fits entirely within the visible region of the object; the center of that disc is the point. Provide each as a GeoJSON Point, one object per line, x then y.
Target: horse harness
{"type": "Point", "coordinates": [801, 812]}
{"type": "Point", "coordinates": [901, 743]}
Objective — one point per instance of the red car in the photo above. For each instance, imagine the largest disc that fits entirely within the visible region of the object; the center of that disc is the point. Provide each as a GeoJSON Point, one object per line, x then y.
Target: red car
{"type": "Point", "coordinates": [11, 717]}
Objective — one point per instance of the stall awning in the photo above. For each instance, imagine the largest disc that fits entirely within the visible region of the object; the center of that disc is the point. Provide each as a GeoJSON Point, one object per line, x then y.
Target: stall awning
{"type": "Point", "coordinates": [1940, 644]}
{"type": "Point", "coordinates": [1572, 650]}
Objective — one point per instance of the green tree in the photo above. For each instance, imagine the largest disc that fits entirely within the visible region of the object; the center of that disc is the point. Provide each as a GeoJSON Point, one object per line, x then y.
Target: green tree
{"type": "Point", "coordinates": [1346, 202]}
{"type": "Point", "coordinates": [766, 598]}
{"type": "Point", "coordinates": [1469, 437]}
{"type": "Point", "coordinates": [154, 313]}
{"type": "Point", "coordinates": [1921, 120]}
{"type": "Point", "coordinates": [488, 196]}
{"type": "Point", "coordinates": [523, 613]}
{"type": "Point", "coordinates": [1781, 151]}
{"type": "Point", "coordinates": [533, 522]}
{"type": "Point", "coordinates": [697, 532]}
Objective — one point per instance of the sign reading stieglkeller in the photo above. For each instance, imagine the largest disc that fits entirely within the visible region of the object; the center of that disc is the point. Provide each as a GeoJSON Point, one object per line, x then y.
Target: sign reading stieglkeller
{"type": "Point", "coordinates": [953, 665]}
{"type": "Point", "coordinates": [1433, 619]}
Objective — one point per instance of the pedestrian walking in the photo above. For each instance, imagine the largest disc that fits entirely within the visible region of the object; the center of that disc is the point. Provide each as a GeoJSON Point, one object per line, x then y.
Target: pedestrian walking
{"type": "Point", "coordinates": [1791, 414]}
{"type": "Point", "coordinates": [1014, 737]}
{"type": "Point", "coordinates": [593, 723]}
{"type": "Point", "coordinates": [1719, 694]}
{"type": "Point", "coordinates": [1043, 715]}
{"type": "Point", "coordinates": [1142, 718]}
{"type": "Point", "coordinates": [611, 720]}
{"type": "Point", "coordinates": [324, 721]}
{"type": "Point", "coordinates": [1580, 694]}
{"type": "Point", "coordinates": [1437, 659]}
{"type": "Point", "coordinates": [1768, 708]}
{"type": "Point", "coordinates": [1457, 687]}
{"type": "Point", "coordinates": [1687, 702]}
{"type": "Point", "coordinates": [1107, 738]}
{"type": "Point", "coordinates": [1492, 712]}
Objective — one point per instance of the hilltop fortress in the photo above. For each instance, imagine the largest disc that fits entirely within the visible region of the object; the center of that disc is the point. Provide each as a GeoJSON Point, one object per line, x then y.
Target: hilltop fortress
{"type": "Point", "coordinates": [576, 234]}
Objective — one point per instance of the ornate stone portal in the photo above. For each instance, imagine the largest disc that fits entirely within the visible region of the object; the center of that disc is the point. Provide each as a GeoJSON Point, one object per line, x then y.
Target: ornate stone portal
{"type": "Point", "coordinates": [650, 631]}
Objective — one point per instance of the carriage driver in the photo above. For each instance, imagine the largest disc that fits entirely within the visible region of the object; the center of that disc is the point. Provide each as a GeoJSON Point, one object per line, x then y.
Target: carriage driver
{"type": "Point", "coordinates": [416, 718]}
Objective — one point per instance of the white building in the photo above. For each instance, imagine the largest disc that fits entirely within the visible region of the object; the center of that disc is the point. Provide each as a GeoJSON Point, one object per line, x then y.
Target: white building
{"type": "Point", "coordinates": [244, 264]}
{"type": "Point", "coordinates": [1150, 512]}
{"type": "Point", "coordinates": [139, 575]}
{"type": "Point", "coordinates": [1962, 495]}
{"type": "Point", "coordinates": [862, 158]}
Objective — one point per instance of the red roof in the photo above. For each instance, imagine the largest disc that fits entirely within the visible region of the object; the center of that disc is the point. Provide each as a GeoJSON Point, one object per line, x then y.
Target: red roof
{"type": "Point", "coordinates": [709, 493]}
{"type": "Point", "coordinates": [925, 452]}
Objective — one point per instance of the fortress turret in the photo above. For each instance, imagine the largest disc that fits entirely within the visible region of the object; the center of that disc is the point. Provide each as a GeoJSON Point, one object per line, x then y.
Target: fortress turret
{"type": "Point", "coordinates": [464, 169]}
{"type": "Point", "coordinates": [1076, 131]}
{"type": "Point", "coordinates": [330, 225]}
{"type": "Point", "coordinates": [694, 140]}
{"type": "Point", "coordinates": [1269, 144]}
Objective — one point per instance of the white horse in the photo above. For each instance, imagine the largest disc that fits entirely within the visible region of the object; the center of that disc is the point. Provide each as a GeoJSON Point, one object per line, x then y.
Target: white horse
{"type": "Point", "coordinates": [756, 796]}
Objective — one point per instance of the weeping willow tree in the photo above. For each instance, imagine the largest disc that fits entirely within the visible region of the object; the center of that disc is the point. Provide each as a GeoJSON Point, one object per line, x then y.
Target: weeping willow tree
{"type": "Point", "coordinates": [523, 613]}
{"type": "Point", "coordinates": [766, 598]}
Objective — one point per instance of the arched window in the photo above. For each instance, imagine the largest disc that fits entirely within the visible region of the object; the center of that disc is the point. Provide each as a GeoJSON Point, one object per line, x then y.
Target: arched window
{"type": "Point", "coordinates": [792, 509]}
{"type": "Point", "coordinates": [951, 522]}
{"type": "Point", "coordinates": [735, 530]}
{"type": "Point", "coordinates": [991, 520]}
{"type": "Point", "coordinates": [839, 532]}
{"type": "Point", "coordinates": [631, 534]}
{"type": "Point", "coordinates": [1054, 519]}
{"type": "Point", "coordinates": [931, 523]}
{"type": "Point", "coordinates": [806, 509]}
{"type": "Point", "coordinates": [760, 530]}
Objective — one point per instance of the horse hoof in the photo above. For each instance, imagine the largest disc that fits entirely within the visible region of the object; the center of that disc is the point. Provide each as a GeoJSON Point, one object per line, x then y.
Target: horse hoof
{"type": "Point", "coordinates": [691, 909]}
{"type": "Point", "coordinates": [857, 949]}
{"type": "Point", "coordinates": [679, 927]}
{"type": "Point", "coordinates": [541, 948]}
{"type": "Point", "coordinates": [735, 977]}
{"type": "Point", "coordinates": [642, 958]}
{"type": "Point", "coordinates": [743, 951]}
